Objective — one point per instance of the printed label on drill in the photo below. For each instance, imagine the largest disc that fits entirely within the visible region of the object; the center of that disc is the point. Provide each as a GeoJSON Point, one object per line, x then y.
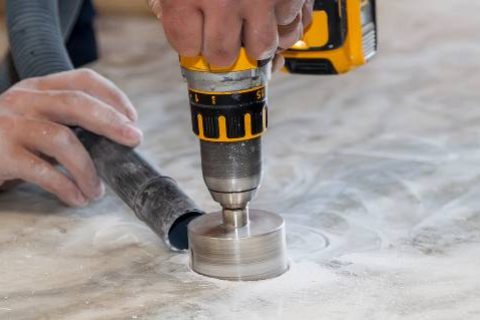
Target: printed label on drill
{"type": "Point", "coordinates": [229, 116]}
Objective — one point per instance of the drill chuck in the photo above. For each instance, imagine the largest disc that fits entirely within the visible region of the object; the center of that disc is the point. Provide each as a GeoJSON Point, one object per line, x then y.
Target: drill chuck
{"type": "Point", "coordinates": [232, 171]}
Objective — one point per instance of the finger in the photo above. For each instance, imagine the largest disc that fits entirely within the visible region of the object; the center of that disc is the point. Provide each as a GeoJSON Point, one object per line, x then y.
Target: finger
{"type": "Point", "coordinates": [60, 142]}
{"type": "Point", "coordinates": [74, 108]}
{"type": "Point", "coordinates": [287, 10]}
{"type": "Point", "coordinates": [32, 169]}
{"type": "Point", "coordinates": [222, 36]}
{"type": "Point", "coordinates": [183, 26]}
{"type": "Point", "coordinates": [307, 12]}
{"type": "Point", "coordinates": [88, 81]}
{"type": "Point", "coordinates": [156, 7]}
{"type": "Point", "coordinates": [290, 34]}
{"type": "Point", "coordinates": [260, 34]}
{"type": "Point", "coordinates": [278, 63]}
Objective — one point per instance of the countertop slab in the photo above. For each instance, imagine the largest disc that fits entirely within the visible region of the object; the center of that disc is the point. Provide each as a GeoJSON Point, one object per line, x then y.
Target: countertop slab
{"type": "Point", "coordinates": [377, 174]}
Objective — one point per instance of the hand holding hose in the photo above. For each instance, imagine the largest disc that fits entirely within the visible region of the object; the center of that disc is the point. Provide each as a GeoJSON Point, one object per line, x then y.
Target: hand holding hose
{"type": "Point", "coordinates": [34, 119]}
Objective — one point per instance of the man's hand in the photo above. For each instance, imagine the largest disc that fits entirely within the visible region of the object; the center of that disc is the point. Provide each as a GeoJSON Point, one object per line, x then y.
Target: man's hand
{"type": "Point", "coordinates": [34, 119]}
{"type": "Point", "coordinates": [217, 29]}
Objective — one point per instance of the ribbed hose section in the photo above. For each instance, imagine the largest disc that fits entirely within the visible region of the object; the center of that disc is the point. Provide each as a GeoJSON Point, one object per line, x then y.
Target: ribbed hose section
{"type": "Point", "coordinates": [38, 49]}
{"type": "Point", "coordinates": [35, 38]}
{"type": "Point", "coordinates": [68, 12]}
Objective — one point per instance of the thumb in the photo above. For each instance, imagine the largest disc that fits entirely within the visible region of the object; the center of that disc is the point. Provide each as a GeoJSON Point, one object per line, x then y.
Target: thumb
{"type": "Point", "coordinates": [278, 63]}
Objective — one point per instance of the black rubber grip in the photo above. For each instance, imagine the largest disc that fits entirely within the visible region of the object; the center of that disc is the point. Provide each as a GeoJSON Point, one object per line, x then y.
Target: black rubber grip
{"type": "Point", "coordinates": [233, 107]}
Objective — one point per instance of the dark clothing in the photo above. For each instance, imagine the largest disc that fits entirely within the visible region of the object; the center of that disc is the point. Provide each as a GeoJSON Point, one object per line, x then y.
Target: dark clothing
{"type": "Point", "coordinates": [82, 44]}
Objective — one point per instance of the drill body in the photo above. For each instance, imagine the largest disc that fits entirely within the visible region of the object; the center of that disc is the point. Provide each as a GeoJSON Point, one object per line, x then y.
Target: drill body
{"type": "Point", "coordinates": [229, 105]}
{"type": "Point", "coordinates": [229, 116]}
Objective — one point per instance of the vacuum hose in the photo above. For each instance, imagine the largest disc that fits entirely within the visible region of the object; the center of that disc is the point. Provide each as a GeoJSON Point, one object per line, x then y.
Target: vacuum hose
{"type": "Point", "coordinates": [37, 32]}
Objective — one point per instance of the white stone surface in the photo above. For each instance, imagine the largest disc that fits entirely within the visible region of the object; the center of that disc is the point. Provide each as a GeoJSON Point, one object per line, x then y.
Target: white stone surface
{"type": "Point", "coordinates": [377, 174]}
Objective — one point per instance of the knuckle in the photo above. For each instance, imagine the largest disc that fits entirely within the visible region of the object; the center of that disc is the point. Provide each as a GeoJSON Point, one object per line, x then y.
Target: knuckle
{"type": "Point", "coordinates": [291, 33]}
{"type": "Point", "coordinates": [293, 25]}
{"type": "Point", "coordinates": [13, 96]}
{"type": "Point", "coordinates": [41, 168]}
{"type": "Point", "coordinates": [287, 11]}
{"type": "Point", "coordinates": [287, 19]}
{"type": "Point", "coordinates": [88, 75]}
{"type": "Point", "coordinates": [111, 117]}
{"type": "Point", "coordinates": [31, 83]}
{"type": "Point", "coordinates": [72, 98]}
{"type": "Point", "coordinates": [63, 137]}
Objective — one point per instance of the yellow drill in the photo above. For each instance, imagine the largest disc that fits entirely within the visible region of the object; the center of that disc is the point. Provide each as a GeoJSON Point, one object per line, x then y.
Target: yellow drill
{"type": "Point", "coordinates": [229, 116]}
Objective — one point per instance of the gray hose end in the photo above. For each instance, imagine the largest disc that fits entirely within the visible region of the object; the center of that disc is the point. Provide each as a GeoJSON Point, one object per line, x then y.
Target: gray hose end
{"type": "Point", "coordinates": [167, 210]}
{"type": "Point", "coordinates": [177, 239]}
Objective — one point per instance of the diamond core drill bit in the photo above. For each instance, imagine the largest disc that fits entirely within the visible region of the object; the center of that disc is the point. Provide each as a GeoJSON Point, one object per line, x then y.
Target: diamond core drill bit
{"type": "Point", "coordinates": [229, 116]}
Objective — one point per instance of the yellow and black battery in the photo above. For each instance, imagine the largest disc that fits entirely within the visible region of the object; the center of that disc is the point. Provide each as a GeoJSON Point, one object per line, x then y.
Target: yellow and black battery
{"type": "Point", "coordinates": [342, 37]}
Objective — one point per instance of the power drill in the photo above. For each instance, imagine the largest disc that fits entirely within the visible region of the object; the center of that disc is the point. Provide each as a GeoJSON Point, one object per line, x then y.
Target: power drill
{"type": "Point", "coordinates": [229, 116]}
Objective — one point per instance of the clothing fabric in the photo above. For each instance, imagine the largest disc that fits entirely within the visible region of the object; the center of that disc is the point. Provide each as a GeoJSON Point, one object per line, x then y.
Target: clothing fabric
{"type": "Point", "coordinates": [82, 44]}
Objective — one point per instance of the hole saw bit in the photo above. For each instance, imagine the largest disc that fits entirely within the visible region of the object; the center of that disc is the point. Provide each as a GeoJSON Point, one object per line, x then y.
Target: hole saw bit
{"type": "Point", "coordinates": [229, 116]}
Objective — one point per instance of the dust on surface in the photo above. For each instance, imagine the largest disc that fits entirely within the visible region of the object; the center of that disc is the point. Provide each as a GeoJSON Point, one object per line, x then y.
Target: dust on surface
{"type": "Point", "coordinates": [377, 174]}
